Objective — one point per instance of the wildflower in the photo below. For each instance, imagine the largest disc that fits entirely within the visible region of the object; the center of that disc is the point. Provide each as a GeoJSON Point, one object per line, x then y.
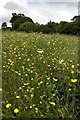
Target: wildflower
{"type": "Point", "coordinates": [19, 73]}
{"type": "Point", "coordinates": [26, 74]}
{"type": "Point", "coordinates": [17, 97]}
{"type": "Point", "coordinates": [62, 108]}
{"type": "Point", "coordinates": [43, 61]}
{"type": "Point", "coordinates": [19, 57]}
{"type": "Point", "coordinates": [77, 64]}
{"type": "Point", "coordinates": [48, 65]}
{"type": "Point", "coordinates": [16, 71]}
{"type": "Point", "coordinates": [69, 89]}
{"type": "Point", "coordinates": [30, 106]}
{"type": "Point", "coordinates": [40, 102]}
{"type": "Point", "coordinates": [47, 83]}
{"type": "Point", "coordinates": [28, 59]}
{"type": "Point", "coordinates": [70, 60]}
{"type": "Point", "coordinates": [48, 78]}
{"type": "Point", "coordinates": [8, 105]}
{"type": "Point", "coordinates": [3, 66]}
{"type": "Point", "coordinates": [73, 80]}
{"type": "Point", "coordinates": [31, 78]}
{"type": "Point", "coordinates": [16, 110]}
{"type": "Point", "coordinates": [40, 51]}
{"type": "Point", "coordinates": [28, 70]}
{"type": "Point", "coordinates": [14, 48]}
{"type": "Point", "coordinates": [53, 94]}
{"type": "Point", "coordinates": [36, 110]}
{"type": "Point", "coordinates": [60, 61]}
{"type": "Point", "coordinates": [49, 42]}
{"type": "Point", "coordinates": [0, 89]}
{"type": "Point", "coordinates": [72, 72]}
{"type": "Point", "coordinates": [55, 79]}
{"type": "Point", "coordinates": [33, 105]}
{"type": "Point", "coordinates": [31, 71]}
{"type": "Point", "coordinates": [20, 88]}
{"type": "Point", "coordinates": [41, 82]}
{"type": "Point", "coordinates": [72, 66]}
{"type": "Point", "coordinates": [32, 95]}
{"type": "Point", "coordinates": [52, 103]}
{"type": "Point", "coordinates": [23, 67]}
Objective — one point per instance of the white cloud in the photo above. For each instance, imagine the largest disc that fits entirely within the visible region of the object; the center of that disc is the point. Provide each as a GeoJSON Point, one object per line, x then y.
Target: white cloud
{"type": "Point", "coordinates": [39, 11]}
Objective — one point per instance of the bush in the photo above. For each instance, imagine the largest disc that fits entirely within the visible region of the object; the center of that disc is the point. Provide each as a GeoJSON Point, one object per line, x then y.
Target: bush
{"type": "Point", "coordinates": [27, 27]}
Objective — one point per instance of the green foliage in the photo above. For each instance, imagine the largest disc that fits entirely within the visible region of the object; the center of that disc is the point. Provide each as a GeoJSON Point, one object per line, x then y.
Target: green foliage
{"type": "Point", "coordinates": [27, 27]}
{"type": "Point", "coordinates": [46, 29]}
{"type": "Point", "coordinates": [4, 25]}
{"type": "Point", "coordinates": [18, 19]}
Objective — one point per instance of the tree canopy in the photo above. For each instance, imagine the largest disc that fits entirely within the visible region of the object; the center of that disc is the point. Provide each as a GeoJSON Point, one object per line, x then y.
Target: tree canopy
{"type": "Point", "coordinates": [22, 23]}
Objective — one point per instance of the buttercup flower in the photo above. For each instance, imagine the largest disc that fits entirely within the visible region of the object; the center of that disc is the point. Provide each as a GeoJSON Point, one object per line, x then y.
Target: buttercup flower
{"type": "Point", "coordinates": [72, 66]}
{"type": "Point", "coordinates": [16, 110]}
{"type": "Point", "coordinates": [17, 96]}
{"type": "Point", "coordinates": [0, 89]}
{"type": "Point", "coordinates": [8, 105]}
{"type": "Point", "coordinates": [52, 103]}
{"type": "Point", "coordinates": [73, 80]}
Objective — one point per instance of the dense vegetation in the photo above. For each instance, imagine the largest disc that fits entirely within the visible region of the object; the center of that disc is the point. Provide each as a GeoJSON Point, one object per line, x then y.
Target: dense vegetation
{"type": "Point", "coordinates": [40, 76]}
{"type": "Point", "coordinates": [22, 23]}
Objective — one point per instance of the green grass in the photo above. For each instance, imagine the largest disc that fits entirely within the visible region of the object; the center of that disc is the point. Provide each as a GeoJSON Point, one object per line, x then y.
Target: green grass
{"type": "Point", "coordinates": [42, 70]}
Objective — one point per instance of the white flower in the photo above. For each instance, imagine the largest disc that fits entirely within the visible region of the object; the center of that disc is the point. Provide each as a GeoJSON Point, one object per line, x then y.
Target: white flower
{"type": "Point", "coordinates": [40, 51]}
{"type": "Point", "coordinates": [60, 61]}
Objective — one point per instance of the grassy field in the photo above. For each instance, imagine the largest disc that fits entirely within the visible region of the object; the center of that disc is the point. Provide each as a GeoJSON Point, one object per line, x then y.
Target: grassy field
{"type": "Point", "coordinates": [40, 75]}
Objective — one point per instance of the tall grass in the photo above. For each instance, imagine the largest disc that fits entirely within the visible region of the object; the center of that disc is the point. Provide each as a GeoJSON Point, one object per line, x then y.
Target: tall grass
{"type": "Point", "coordinates": [40, 75]}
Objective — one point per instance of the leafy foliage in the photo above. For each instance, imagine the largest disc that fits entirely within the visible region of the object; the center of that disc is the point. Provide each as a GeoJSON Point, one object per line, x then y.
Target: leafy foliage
{"type": "Point", "coordinates": [4, 25]}
{"type": "Point", "coordinates": [23, 23]}
{"type": "Point", "coordinates": [18, 19]}
{"type": "Point", "coordinates": [27, 27]}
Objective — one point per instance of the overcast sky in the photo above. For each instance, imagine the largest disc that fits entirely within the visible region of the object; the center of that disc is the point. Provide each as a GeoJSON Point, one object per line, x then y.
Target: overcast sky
{"type": "Point", "coordinates": [41, 11]}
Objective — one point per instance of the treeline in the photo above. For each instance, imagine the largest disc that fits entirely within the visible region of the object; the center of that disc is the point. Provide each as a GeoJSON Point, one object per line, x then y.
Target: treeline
{"type": "Point", "coordinates": [20, 22]}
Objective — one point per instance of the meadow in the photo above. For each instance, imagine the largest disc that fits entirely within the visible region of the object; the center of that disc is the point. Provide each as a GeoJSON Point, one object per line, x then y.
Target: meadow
{"type": "Point", "coordinates": [40, 75]}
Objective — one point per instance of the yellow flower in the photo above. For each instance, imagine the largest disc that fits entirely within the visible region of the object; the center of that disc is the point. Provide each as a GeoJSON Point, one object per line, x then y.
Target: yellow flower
{"type": "Point", "coordinates": [26, 74]}
{"type": "Point", "coordinates": [8, 105]}
{"type": "Point", "coordinates": [73, 80]}
{"type": "Point", "coordinates": [72, 66]}
{"type": "Point", "coordinates": [48, 65]}
{"type": "Point", "coordinates": [48, 78]}
{"type": "Point", "coordinates": [36, 109]}
{"type": "Point", "coordinates": [52, 103]}
{"type": "Point", "coordinates": [30, 106]}
{"type": "Point", "coordinates": [69, 89]}
{"type": "Point", "coordinates": [77, 64]}
{"type": "Point", "coordinates": [0, 89]}
{"type": "Point", "coordinates": [19, 57]}
{"type": "Point", "coordinates": [72, 72]}
{"type": "Point", "coordinates": [28, 59]}
{"type": "Point", "coordinates": [17, 96]}
{"type": "Point", "coordinates": [16, 110]}
{"type": "Point", "coordinates": [33, 105]}
{"type": "Point", "coordinates": [19, 73]}
{"type": "Point", "coordinates": [32, 95]}
{"type": "Point", "coordinates": [40, 102]}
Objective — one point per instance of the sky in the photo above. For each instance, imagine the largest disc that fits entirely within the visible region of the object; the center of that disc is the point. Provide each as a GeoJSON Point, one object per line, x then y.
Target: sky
{"type": "Point", "coordinates": [41, 11]}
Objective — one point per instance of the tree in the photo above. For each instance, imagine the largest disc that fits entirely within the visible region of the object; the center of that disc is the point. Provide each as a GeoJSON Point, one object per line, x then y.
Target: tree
{"type": "Point", "coordinates": [18, 19]}
{"type": "Point", "coordinates": [52, 25]}
{"type": "Point", "coordinates": [27, 27]}
{"type": "Point", "coordinates": [4, 25]}
{"type": "Point", "coordinates": [46, 29]}
{"type": "Point", "coordinates": [76, 25]}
